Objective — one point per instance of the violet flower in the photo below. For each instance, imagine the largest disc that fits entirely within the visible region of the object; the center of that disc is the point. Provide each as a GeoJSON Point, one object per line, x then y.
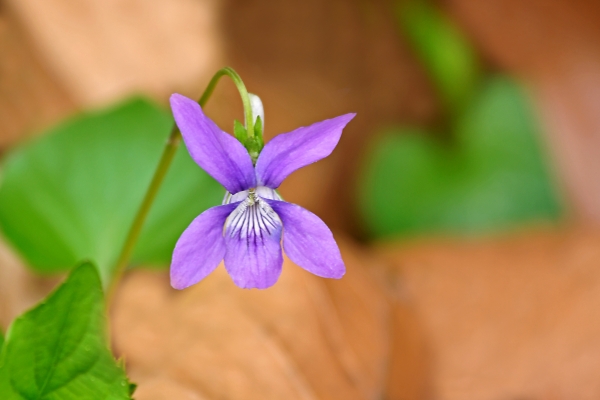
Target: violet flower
{"type": "Point", "coordinates": [246, 231]}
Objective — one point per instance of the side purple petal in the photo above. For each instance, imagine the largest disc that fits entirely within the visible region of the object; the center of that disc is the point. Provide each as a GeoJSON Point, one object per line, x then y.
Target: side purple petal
{"type": "Point", "coordinates": [253, 258]}
{"type": "Point", "coordinates": [221, 155]}
{"type": "Point", "coordinates": [200, 248]}
{"type": "Point", "coordinates": [308, 242]}
{"type": "Point", "coordinates": [290, 151]}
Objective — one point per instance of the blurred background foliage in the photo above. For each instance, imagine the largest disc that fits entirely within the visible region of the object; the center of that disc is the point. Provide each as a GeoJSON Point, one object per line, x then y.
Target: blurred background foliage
{"type": "Point", "coordinates": [446, 54]}
{"type": "Point", "coordinates": [71, 194]}
{"type": "Point", "coordinates": [485, 171]}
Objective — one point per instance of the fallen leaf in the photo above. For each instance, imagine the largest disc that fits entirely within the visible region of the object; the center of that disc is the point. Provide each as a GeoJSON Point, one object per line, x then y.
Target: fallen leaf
{"type": "Point", "coordinates": [304, 338]}
{"type": "Point", "coordinates": [506, 318]}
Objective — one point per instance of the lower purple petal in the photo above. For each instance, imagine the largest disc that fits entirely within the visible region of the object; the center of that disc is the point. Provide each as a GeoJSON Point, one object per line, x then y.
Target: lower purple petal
{"type": "Point", "coordinates": [200, 248]}
{"type": "Point", "coordinates": [308, 242]}
{"type": "Point", "coordinates": [253, 240]}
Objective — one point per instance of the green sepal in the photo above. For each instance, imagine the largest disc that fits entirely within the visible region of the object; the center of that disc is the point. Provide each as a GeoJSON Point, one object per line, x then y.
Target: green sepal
{"type": "Point", "coordinates": [240, 132]}
{"type": "Point", "coordinates": [258, 133]}
{"type": "Point", "coordinates": [254, 147]}
{"type": "Point", "coordinates": [59, 349]}
{"type": "Point", "coordinates": [253, 144]}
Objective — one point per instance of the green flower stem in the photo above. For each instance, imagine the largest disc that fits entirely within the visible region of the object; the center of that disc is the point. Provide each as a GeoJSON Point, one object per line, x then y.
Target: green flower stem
{"type": "Point", "coordinates": [161, 171]}
{"type": "Point", "coordinates": [243, 94]}
{"type": "Point", "coordinates": [142, 213]}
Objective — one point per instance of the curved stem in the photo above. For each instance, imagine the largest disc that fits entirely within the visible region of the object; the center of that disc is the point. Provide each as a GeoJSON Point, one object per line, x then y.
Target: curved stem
{"type": "Point", "coordinates": [243, 94]}
{"type": "Point", "coordinates": [161, 170]}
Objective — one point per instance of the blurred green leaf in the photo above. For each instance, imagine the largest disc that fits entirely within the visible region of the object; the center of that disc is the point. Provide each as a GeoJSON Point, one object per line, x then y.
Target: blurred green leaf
{"type": "Point", "coordinates": [58, 350]}
{"type": "Point", "coordinates": [1, 340]}
{"type": "Point", "coordinates": [447, 55]}
{"type": "Point", "coordinates": [494, 178]}
{"type": "Point", "coordinates": [72, 193]}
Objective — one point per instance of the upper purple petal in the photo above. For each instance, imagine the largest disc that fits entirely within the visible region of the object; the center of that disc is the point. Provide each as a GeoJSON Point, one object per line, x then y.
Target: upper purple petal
{"type": "Point", "coordinates": [221, 155]}
{"type": "Point", "coordinates": [253, 240]}
{"type": "Point", "coordinates": [308, 242]}
{"type": "Point", "coordinates": [290, 151]}
{"type": "Point", "coordinates": [200, 248]}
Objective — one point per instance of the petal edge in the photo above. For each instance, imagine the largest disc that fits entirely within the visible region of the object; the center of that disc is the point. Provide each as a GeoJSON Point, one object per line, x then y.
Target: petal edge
{"type": "Point", "coordinates": [221, 155]}
{"type": "Point", "coordinates": [308, 242]}
{"type": "Point", "coordinates": [287, 152]}
{"type": "Point", "coordinates": [200, 248]}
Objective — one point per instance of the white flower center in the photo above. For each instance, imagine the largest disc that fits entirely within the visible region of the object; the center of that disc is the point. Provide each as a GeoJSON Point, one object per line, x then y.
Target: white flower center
{"type": "Point", "coordinates": [253, 216]}
{"type": "Point", "coordinates": [252, 195]}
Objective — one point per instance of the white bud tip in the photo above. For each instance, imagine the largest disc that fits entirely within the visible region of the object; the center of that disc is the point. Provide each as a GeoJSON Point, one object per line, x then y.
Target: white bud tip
{"type": "Point", "coordinates": [257, 108]}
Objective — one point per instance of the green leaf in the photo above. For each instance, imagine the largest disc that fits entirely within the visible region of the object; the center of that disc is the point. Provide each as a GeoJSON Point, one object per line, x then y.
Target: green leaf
{"type": "Point", "coordinates": [1, 340]}
{"type": "Point", "coordinates": [72, 193]}
{"type": "Point", "coordinates": [495, 177]}
{"type": "Point", "coordinates": [240, 132]}
{"type": "Point", "coordinates": [444, 51]}
{"type": "Point", "coordinates": [58, 350]}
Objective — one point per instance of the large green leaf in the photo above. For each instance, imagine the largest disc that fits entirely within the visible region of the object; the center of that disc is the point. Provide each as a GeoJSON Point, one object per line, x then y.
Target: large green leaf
{"type": "Point", "coordinates": [72, 193]}
{"type": "Point", "coordinates": [58, 350]}
{"type": "Point", "coordinates": [494, 177]}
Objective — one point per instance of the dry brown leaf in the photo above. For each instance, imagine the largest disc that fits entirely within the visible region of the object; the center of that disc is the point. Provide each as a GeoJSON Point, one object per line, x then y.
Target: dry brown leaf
{"type": "Point", "coordinates": [164, 388]}
{"type": "Point", "coordinates": [20, 288]}
{"type": "Point", "coordinates": [101, 51]}
{"type": "Point", "coordinates": [507, 318]}
{"type": "Point", "coordinates": [30, 99]}
{"type": "Point", "coordinates": [305, 338]}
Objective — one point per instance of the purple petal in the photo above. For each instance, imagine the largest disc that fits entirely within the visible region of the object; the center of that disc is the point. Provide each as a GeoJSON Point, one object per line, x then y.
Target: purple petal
{"type": "Point", "coordinates": [253, 239]}
{"type": "Point", "coordinates": [200, 248]}
{"type": "Point", "coordinates": [288, 152]}
{"type": "Point", "coordinates": [221, 155]}
{"type": "Point", "coordinates": [308, 242]}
